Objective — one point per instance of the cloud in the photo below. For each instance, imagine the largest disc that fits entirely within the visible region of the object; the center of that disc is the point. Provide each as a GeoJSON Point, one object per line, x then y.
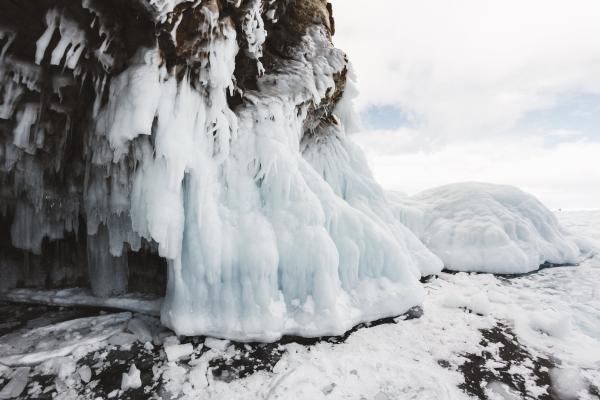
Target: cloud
{"type": "Point", "coordinates": [486, 90]}
{"type": "Point", "coordinates": [468, 68]}
{"type": "Point", "coordinates": [561, 174]}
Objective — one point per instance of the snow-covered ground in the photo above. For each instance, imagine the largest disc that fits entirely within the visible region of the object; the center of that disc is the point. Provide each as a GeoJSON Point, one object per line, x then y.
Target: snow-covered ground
{"type": "Point", "coordinates": [531, 336]}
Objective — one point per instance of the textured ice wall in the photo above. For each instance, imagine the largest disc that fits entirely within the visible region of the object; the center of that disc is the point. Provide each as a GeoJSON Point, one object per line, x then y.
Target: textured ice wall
{"type": "Point", "coordinates": [259, 242]}
{"type": "Point", "coordinates": [486, 228]}
{"type": "Point", "coordinates": [240, 174]}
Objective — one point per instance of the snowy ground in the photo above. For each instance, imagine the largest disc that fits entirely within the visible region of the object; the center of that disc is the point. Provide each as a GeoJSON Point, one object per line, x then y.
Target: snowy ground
{"type": "Point", "coordinates": [534, 336]}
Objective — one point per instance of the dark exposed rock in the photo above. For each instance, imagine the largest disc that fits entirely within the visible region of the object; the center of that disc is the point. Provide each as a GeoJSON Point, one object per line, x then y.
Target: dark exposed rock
{"type": "Point", "coordinates": [512, 358]}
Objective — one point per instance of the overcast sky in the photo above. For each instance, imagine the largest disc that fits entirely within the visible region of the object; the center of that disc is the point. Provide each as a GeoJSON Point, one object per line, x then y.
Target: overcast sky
{"type": "Point", "coordinates": [504, 91]}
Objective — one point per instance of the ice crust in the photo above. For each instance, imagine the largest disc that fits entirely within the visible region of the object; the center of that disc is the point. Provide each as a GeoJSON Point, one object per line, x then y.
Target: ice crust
{"type": "Point", "coordinates": [486, 228]}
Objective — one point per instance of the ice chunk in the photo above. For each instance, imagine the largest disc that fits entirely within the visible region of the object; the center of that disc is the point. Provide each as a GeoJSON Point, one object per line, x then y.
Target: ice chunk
{"type": "Point", "coordinates": [176, 352]}
{"type": "Point", "coordinates": [487, 228]}
{"type": "Point", "coordinates": [132, 379]}
{"type": "Point", "coordinates": [140, 329]}
{"type": "Point", "coordinates": [60, 340]}
{"type": "Point", "coordinates": [108, 274]}
{"type": "Point", "coordinates": [16, 385]}
{"type": "Point", "coordinates": [216, 344]}
{"type": "Point", "coordinates": [85, 373]}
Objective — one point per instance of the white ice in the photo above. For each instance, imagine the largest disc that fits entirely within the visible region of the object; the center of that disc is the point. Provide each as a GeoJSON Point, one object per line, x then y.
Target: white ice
{"type": "Point", "coordinates": [418, 358]}
{"type": "Point", "coordinates": [131, 380]}
{"type": "Point", "coordinates": [487, 228]}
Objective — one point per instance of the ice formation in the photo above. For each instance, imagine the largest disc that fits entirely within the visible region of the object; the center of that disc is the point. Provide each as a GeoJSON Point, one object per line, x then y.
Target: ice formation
{"type": "Point", "coordinates": [200, 150]}
{"type": "Point", "coordinates": [215, 137]}
{"type": "Point", "coordinates": [486, 228]}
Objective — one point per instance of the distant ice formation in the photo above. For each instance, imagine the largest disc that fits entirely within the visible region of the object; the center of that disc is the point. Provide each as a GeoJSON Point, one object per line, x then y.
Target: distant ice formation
{"type": "Point", "coordinates": [486, 228]}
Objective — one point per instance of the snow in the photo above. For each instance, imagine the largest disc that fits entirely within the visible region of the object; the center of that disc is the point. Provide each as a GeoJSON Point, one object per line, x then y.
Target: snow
{"type": "Point", "coordinates": [403, 360]}
{"type": "Point", "coordinates": [16, 385]}
{"type": "Point", "coordinates": [131, 380]}
{"type": "Point", "coordinates": [487, 228]}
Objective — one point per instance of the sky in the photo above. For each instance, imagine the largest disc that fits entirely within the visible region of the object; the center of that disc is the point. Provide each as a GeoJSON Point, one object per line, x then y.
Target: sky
{"type": "Point", "coordinates": [478, 90]}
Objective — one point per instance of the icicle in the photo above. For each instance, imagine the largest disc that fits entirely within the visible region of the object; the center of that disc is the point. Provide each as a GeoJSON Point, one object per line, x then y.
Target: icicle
{"type": "Point", "coordinates": [42, 43]}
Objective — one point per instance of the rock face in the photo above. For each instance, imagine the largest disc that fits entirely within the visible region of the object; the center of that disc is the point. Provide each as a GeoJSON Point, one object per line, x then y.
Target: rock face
{"type": "Point", "coordinates": [206, 139]}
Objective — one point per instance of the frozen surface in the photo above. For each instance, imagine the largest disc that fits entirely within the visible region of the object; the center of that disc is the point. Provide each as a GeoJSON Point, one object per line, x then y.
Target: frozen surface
{"type": "Point", "coordinates": [531, 335]}
{"type": "Point", "coordinates": [487, 228]}
{"type": "Point", "coordinates": [16, 385]}
{"type": "Point", "coordinates": [82, 297]}
{"type": "Point", "coordinates": [267, 214]}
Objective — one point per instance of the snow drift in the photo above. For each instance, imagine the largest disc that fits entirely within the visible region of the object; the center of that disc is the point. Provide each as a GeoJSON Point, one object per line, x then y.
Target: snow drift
{"type": "Point", "coordinates": [486, 228]}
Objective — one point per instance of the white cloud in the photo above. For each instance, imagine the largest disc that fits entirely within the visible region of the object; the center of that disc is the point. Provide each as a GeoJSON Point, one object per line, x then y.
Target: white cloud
{"type": "Point", "coordinates": [470, 70]}
{"type": "Point", "coordinates": [470, 67]}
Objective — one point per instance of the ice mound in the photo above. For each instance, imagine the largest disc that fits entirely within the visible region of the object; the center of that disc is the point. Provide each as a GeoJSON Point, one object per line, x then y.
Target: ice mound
{"type": "Point", "coordinates": [486, 228]}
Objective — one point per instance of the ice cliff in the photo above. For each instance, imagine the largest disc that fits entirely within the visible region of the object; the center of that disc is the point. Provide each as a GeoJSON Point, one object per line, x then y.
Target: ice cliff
{"type": "Point", "coordinates": [210, 136]}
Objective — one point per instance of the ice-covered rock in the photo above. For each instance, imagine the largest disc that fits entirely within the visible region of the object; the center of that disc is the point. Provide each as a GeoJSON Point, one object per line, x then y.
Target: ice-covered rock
{"type": "Point", "coordinates": [486, 228]}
